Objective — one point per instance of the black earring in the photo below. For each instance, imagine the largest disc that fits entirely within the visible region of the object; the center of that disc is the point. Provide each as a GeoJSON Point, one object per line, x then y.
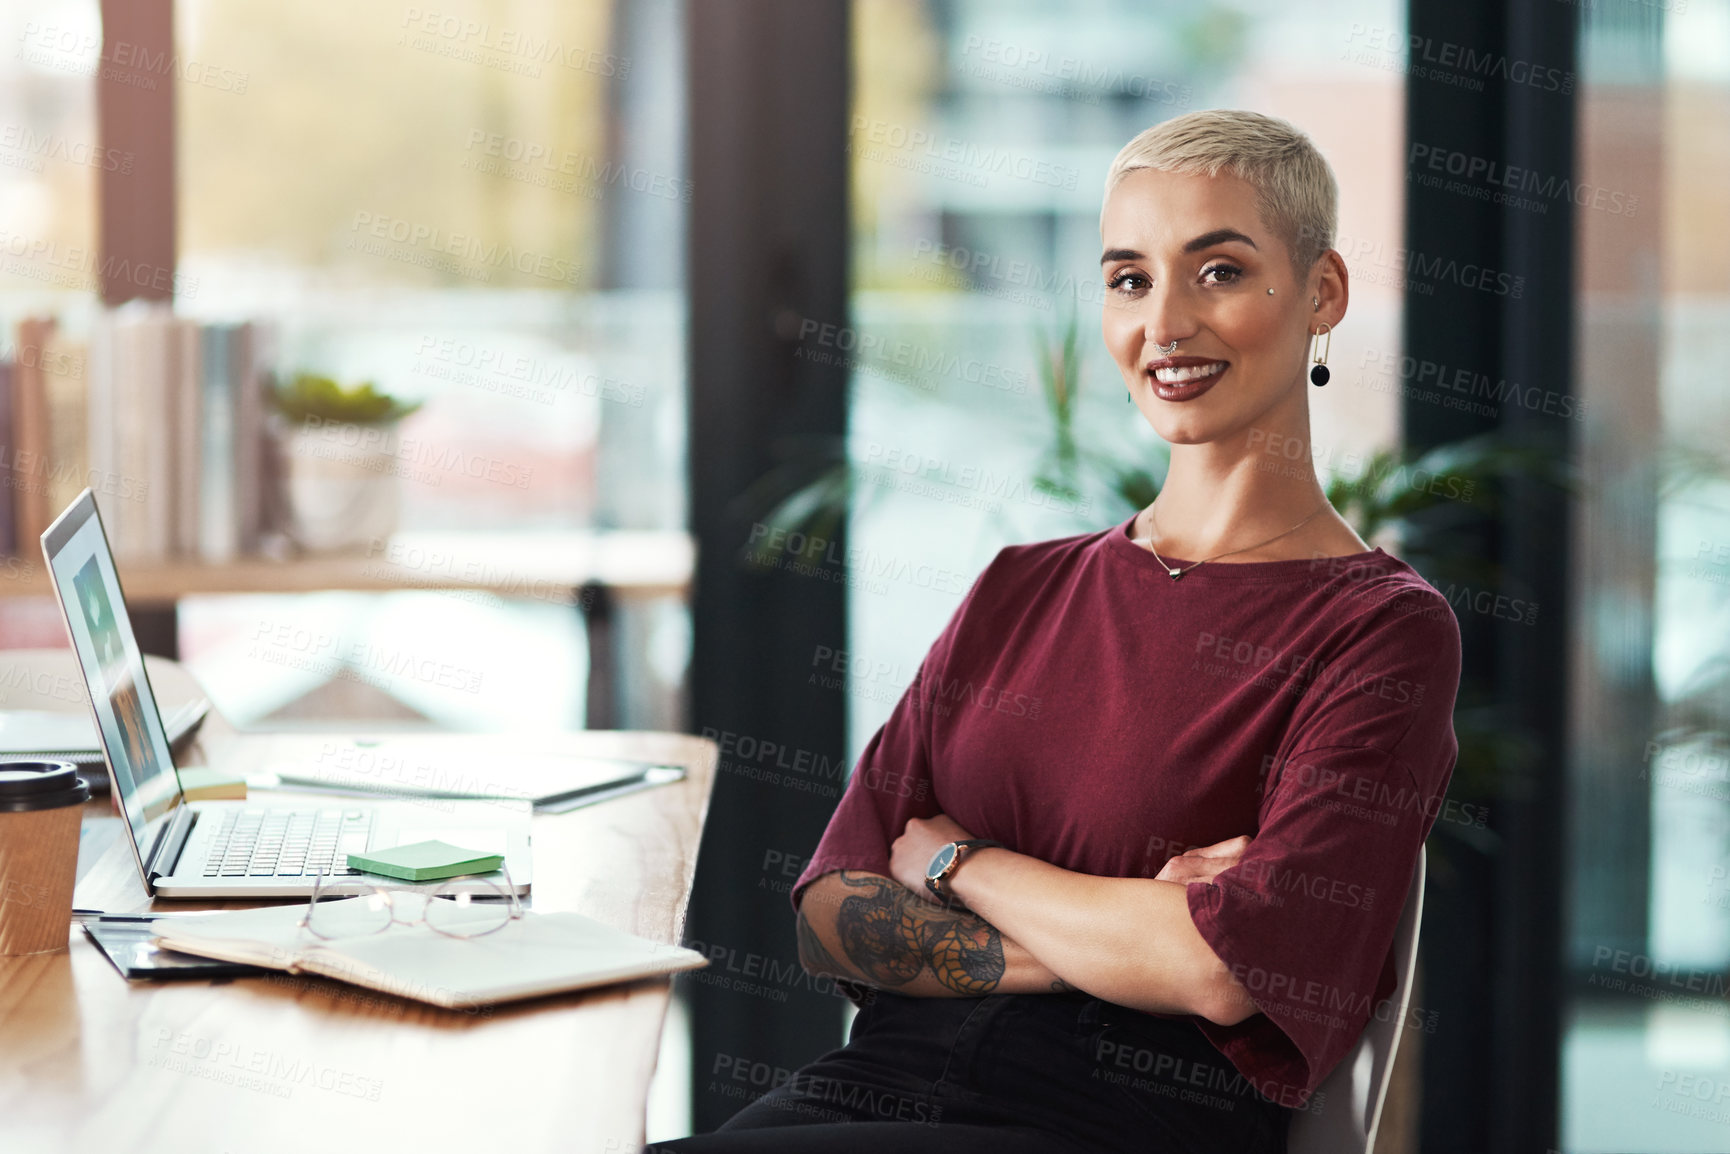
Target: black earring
{"type": "Point", "coordinates": [1319, 371]}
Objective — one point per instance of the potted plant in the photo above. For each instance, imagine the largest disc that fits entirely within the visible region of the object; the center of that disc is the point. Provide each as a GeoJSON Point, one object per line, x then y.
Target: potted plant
{"type": "Point", "coordinates": [341, 446]}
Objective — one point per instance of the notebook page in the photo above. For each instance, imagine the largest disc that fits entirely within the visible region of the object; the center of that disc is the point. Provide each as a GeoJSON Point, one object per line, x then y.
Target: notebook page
{"type": "Point", "coordinates": [538, 954]}
{"type": "Point", "coordinates": [272, 935]}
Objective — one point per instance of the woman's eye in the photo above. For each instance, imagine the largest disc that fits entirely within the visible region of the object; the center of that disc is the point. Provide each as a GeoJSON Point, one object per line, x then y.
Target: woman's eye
{"type": "Point", "coordinates": [1127, 282]}
{"type": "Point", "coordinates": [1225, 273]}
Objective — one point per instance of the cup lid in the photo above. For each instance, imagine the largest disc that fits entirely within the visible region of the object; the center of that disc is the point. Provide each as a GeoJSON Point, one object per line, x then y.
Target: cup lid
{"type": "Point", "coordinates": [32, 784]}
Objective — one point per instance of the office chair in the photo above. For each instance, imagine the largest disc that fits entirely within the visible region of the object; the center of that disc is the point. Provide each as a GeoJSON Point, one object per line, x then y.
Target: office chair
{"type": "Point", "coordinates": [1352, 1108]}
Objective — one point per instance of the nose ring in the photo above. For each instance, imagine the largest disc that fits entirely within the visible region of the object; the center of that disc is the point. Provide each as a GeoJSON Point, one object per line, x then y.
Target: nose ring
{"type": "Point", "coordinates": [1167, 349]}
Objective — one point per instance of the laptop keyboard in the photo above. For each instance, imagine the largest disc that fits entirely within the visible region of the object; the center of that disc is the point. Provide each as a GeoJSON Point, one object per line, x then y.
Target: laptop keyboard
{"type": "Point", "coordinates": [287, 843]}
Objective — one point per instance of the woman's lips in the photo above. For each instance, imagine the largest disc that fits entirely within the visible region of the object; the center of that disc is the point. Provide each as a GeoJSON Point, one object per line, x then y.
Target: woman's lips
{"type": "Point", "coordinates": [1197, 375]}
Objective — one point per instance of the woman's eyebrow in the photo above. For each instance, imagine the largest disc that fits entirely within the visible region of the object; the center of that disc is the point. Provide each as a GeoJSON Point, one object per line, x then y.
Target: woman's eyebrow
{"type": "Point", "coordinates": [1217, 236]}
{"type": "Point", "coordinates": [1205, 240]}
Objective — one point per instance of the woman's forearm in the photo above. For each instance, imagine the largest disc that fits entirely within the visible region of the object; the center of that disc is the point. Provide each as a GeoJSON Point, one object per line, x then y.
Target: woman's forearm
{"type": "Point", "coordinates": [872, 929]}
{"type": "Point", "coordinates": [1125, 940]}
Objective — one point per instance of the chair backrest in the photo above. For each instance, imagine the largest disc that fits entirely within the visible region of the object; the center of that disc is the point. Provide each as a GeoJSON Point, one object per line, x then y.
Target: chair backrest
{"type": "Point", "coordinates": [1353, 1093]}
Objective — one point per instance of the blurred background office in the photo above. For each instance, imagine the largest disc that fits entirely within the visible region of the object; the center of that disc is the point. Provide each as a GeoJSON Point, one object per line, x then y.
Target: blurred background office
{"type": "Point", "coordinates": [814, 284]}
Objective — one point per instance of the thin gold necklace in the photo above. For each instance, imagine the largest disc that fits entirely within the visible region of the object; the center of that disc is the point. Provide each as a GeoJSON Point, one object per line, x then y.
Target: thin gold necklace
{"type": "Point", "coordinates": [1174, 573]}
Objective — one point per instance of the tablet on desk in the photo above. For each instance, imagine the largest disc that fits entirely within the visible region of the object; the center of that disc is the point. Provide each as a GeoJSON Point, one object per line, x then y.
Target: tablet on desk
{"type": "Point", "coordinates": [125, 940]}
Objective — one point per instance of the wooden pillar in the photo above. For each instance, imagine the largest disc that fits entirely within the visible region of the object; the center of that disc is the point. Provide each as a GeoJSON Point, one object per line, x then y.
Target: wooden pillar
{"type": "Point", "coordinates": [135, 114]}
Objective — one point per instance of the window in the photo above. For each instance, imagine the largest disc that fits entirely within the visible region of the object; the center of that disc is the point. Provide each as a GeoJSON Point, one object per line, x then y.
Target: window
{"type": "Point", "coordinates": [478, 208]}
{"type": "Point", "coordinates": [49, 157]}
{"type": "Point", "coordinates": [1646, 1055]}
{"type": "Point", "coordinates": [980, 138]}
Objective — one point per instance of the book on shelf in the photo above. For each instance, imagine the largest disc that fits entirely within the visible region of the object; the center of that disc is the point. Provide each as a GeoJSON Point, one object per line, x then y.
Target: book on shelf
{"type": "Point", "coordinates": [186, 388]}
{"type": "Point", "coordinates": [142, 396]}
{"type": "Point", "coordinates": [8, 526]}
{"type": "Point", "coordinates": [163, 416]}
{"type": "Point", "coordinates": [64, 366]}
{"type": "Point", "coordinates": [253, 348]}
{"type": "Point", "coordinates": [219, 467]}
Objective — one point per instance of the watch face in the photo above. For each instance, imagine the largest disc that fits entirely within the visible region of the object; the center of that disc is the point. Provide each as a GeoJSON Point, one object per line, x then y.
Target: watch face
{"type": "Point", "coordinates": [940, 861]}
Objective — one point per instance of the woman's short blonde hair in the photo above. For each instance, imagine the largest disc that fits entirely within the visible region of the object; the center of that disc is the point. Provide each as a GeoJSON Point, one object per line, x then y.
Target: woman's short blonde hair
{"type": "Point", "coordinates": [1294, 186]}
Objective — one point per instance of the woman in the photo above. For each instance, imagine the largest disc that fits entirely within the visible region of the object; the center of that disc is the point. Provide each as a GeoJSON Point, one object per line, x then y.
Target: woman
{"type": "Point", "coordinates": [1200, 751]}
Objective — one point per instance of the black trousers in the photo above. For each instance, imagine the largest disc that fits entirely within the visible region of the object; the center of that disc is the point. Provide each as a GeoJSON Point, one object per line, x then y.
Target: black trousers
{"type": "Point", "coordinates": [1008, 1073]}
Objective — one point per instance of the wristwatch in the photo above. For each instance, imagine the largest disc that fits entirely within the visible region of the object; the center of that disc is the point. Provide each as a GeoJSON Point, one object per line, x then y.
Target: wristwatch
{"type": "Point", "coordinates": [947, 858]}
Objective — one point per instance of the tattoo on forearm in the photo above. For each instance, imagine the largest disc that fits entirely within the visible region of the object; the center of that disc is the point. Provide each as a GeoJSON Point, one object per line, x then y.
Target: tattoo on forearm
{"type": "Point", "coordinates": [892, 935]}
{"type": "Point", "coordinates": [812, 951]}
{"type": "Point", "coordinates": [869, 924]}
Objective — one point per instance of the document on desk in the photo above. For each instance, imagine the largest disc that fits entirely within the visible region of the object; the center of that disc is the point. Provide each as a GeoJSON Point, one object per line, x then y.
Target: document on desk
{"type": "Point", "coordinates": [473, 766]}
{"type": "Point", "coordinates": [72, 736]}
{"type": "Point", "coordinates": [534, 955]}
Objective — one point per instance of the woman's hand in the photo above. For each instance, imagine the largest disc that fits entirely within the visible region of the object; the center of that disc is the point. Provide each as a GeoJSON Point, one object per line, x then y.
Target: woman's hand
{"type": "Point", "coordinates": [1203, 863]}
{"type": "Point", "coordinates": [912, 852]}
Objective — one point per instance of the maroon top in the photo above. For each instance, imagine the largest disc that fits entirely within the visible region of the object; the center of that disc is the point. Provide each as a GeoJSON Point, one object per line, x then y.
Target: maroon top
{"type": "Point", "coordinates": [1084, 708]}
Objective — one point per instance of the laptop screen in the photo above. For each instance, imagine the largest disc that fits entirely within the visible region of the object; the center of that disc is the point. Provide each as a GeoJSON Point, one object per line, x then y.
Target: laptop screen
{"type": "Point", "coordinates": [126, 717]}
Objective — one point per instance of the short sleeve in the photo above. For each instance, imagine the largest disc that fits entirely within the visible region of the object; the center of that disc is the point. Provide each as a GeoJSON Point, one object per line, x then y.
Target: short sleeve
{"type": "Point", "coordinates": [892, 781]}
{"type": "Point", "coordinates": [1306, 919]}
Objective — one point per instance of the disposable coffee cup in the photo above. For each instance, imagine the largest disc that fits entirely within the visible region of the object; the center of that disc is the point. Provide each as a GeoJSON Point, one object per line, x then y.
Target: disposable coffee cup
{"type": "Point", "coordinates": [40, 806]}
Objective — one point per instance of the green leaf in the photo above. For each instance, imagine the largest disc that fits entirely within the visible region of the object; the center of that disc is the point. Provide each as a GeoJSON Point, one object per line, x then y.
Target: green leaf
{"type": "Point", "coordinates": [312, 397]}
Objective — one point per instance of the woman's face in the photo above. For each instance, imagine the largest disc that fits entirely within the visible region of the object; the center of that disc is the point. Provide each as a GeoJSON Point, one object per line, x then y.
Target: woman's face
{"type": "Point", "coordinates": [1188, 258]}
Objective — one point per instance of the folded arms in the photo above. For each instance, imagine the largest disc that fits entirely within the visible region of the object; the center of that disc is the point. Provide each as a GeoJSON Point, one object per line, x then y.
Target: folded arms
{"type": "Point", "coordinates": [1029, 927]}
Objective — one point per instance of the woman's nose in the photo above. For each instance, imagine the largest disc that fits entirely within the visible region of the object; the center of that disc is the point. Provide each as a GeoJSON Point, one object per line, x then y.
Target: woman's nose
{"type": "Point", "coordinates": [1166, 316]}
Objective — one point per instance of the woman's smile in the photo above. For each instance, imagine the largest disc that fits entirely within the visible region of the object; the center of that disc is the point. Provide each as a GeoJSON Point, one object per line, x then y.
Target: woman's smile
{"type": "Point", "coordinates": [1183, 378]}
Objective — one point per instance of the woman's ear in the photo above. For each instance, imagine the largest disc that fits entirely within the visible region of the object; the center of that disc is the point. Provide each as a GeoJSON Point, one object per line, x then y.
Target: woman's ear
{"type": "Point", "coordinates": [1330, 289]}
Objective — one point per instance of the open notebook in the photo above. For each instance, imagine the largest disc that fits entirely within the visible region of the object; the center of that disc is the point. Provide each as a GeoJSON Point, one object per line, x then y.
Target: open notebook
{"type": "Point", "coordinates": [534, 955]}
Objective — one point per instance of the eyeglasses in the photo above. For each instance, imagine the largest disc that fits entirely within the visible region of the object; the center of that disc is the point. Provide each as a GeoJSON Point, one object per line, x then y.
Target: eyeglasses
{"type": "Point", "coordinates": [455, 908]}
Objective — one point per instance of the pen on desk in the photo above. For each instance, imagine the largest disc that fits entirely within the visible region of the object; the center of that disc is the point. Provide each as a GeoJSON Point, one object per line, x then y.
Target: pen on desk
{"type": "Point", "coordinates": [99, 916]}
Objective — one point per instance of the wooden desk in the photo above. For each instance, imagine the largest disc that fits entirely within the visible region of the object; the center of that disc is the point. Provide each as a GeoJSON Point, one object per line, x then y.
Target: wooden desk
{"type": "Point", "coordinates": [286, 1064]}
{"type": "Point", "coordinates": [589, 569]}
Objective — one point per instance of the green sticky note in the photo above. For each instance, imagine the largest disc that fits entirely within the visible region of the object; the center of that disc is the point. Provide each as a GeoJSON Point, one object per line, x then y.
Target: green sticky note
{"type": "Point", "coordinates": [425, 861]}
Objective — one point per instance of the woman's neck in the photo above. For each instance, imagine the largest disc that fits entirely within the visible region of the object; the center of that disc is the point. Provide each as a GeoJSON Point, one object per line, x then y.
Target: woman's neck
{"type": "Point", "coordinates": [1219, 496]}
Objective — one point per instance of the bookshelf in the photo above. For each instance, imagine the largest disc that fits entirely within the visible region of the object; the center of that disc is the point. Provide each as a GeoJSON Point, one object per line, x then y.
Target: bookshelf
{"type": "Point", "coordinates": [166, 418]}
{"type": "Point", "coordinates": [593, 570]}
{"type": "Point", "coordinates": [545, 566]}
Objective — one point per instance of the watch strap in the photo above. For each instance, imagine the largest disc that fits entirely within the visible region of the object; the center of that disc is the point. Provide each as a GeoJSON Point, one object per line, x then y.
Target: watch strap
{"type": "Point", "coordinates": [935, 884]}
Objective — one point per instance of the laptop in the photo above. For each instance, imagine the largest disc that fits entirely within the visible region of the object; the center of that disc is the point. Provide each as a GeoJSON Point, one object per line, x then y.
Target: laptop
{"type": "Point", "coordinates": [232, 849]}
